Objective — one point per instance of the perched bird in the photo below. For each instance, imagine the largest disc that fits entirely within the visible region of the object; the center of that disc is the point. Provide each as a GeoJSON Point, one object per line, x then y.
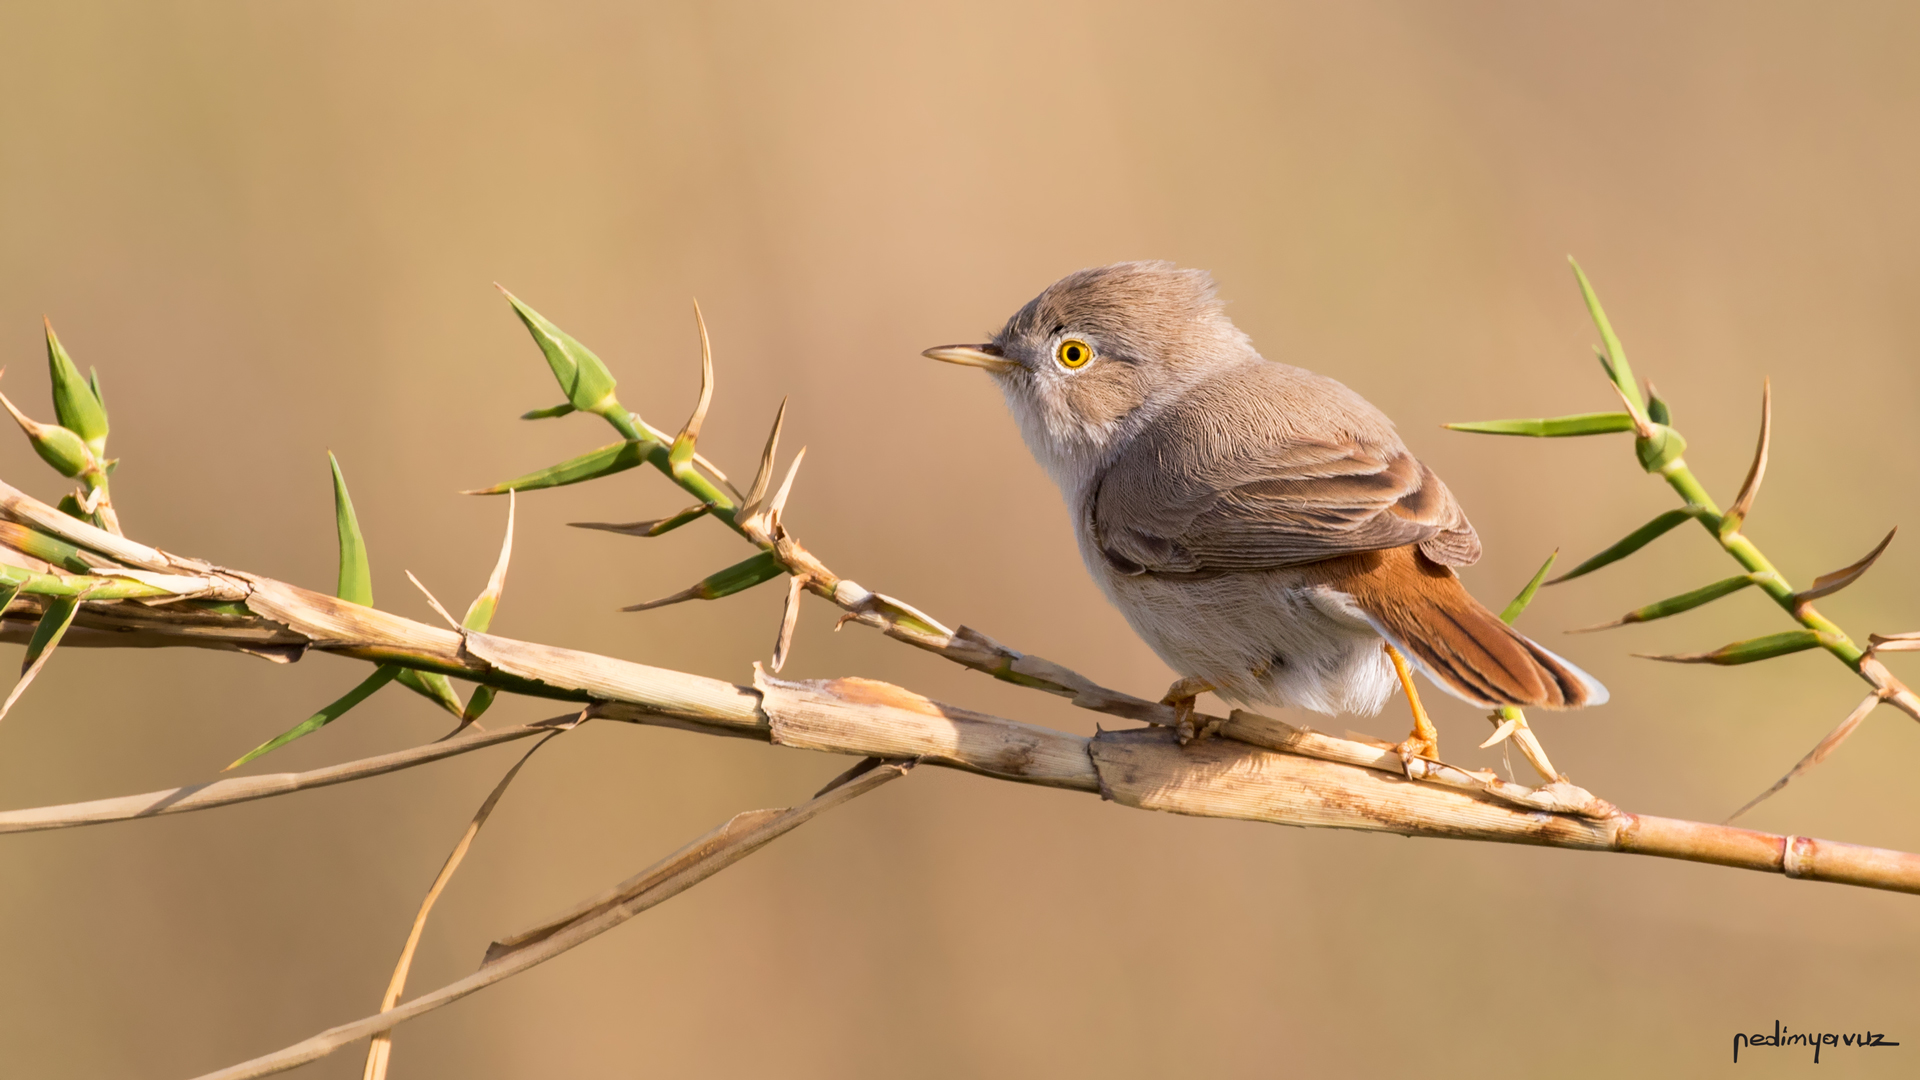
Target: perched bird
{"type": "Point", "coordinates": [1262, 527]}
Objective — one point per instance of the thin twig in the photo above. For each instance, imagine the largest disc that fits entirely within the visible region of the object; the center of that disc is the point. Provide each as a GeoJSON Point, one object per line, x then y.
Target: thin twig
{"type": "Point", "coordinates": [716, 851]}
{"type": "Point", "coordinates": [1814, 756]}
{"type": "Point", "coordinates": [381, 1049]}
{"type": "Point", "coordinates": [241, 789]}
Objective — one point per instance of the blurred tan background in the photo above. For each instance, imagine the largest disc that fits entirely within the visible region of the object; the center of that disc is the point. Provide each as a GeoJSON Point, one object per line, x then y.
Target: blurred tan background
{"type": "Point", "coordinates": [274, 229]}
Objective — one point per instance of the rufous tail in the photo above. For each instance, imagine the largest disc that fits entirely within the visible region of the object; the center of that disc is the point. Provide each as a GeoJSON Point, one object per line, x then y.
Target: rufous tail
{"type": "Point", "coordinates": [1424, 610]}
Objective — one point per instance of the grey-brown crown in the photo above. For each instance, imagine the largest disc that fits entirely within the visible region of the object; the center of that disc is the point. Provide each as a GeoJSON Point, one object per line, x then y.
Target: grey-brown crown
{"type": "Point", "coordinates": [1151, 312]}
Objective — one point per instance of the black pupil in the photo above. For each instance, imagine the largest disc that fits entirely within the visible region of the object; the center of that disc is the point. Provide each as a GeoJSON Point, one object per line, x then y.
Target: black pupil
{"type": "Point", "coordinates": [1073, 353]}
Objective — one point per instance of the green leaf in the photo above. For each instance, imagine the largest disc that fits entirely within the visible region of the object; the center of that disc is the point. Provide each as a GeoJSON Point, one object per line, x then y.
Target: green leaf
{"type": "Point", "coordinates": [70, 506]}
{"type": "Point", "coordinates": [1686, 601]}
{"type": "Point", "coordinates": [44, 547]}
{"type": "Point", "coordinates": [610, 459]}
{"type": "Point", "coordinates": [97, 588]}
{"type": "Point", "coordinates": [51, 628]}
{"type": "Point", "coordinates": [478, 704]}
{"type": "Point", "coordinates": [433, 686]}
{"type": "Point", "coordinates": [381, 676]}
{"type": "Point", "coordinates": [74, 402]}
{"type": "Point", "coordinates": [739, 577]}
{"type": "Point", "coordinates": [93, 383]}
{"type": "Point", "coordinates": [356, 577]}
{"type": "Point", "coordinates": [586, 381]}
{"type": "Point", "coordinates": [1601, 423]}
{"type": "Point", "coordinates": [1747, 652]}
{"type": "Point", "coordinates": [67, 452]}
{"type": "Point", "coordinates": [1521, 601]}
{"type": "Point", "coordinates": [550, 411]}
{"type": "Point", "coordinates": [1633, 542]}
{"type": "Point", "coordinates": [1616, 357]}
{"type": "Point", "coordinates": [46, 635]}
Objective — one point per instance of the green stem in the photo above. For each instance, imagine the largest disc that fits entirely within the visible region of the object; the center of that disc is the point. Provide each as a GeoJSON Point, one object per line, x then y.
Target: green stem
{"type": "Point", "coordinates": [1832, 638]}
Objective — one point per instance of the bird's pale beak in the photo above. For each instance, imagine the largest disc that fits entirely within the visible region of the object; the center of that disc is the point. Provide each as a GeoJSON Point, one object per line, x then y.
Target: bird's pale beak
{"type": "Point", "coordinates": [980, 356]}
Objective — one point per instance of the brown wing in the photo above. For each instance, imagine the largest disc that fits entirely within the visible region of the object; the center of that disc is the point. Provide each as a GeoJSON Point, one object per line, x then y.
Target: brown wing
{"type": "Point", "coordinates": [1223, 483]}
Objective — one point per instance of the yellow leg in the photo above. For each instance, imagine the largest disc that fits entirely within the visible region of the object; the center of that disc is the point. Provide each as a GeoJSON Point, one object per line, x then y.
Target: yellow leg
{"type": "Point", "coordinates": [1182, 696]}
{"type": "Point", "coordinates": [1425, 740]}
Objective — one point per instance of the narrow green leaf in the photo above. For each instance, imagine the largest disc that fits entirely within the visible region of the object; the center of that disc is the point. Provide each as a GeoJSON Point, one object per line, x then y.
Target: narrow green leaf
{"type": "Point", "coordinates": [44, 547]}
{"type": "Point", "coordinates": [97, 588]}
{"type": "Point", "coordinates": [93, 383]}
{"type": "Point", "coordinates": [433, 686]}
{"type": "Point", "coordinates": [478, 704]}
{"type": "Point", "coordinates": [586, 381]}
{"type": "Point", "coordinates": [1686, 601]}
{"type": "Point", "coordinates": [739, 577]}
{"type": "Point", "coordinates": [1616, 358]}
{"type": "Point", "coordinates": [550, 411]}
{"type": "Point", "coordinates": [52, 627]}
{"type": "Point", "coordinates": [650, 527]}
{"type": "Point", "coordinates": [610, 459]}
{"type": "Point", "coordinates": [1633, 542]}
{"type": "Point", "coordinates": [356, 577]}
{"type": "Point", "coordinates": [1600, 423]}
{"type": "Point", "coordinates": [381, 676]}
{"type": "Point", "coordinates": [1747, 652]}
{"type": "Point", "coordinates": [67, 452]}
{"type": "Point", "coordinates": [74, 402]}
{"type": "Point", "coordinates": [46, 635]}
{"type": "Point", "coordinates": [70, 506]}
{"type": "Point", "coordinates": [1521, 601]}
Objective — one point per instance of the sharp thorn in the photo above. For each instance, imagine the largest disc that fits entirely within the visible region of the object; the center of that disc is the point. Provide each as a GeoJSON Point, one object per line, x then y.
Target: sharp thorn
{"type": "Point", "coordinates": [779, 502]}
{"type": "Point", "coordinates": [451, 621]}
{"type": "Point", "coordinates": [759, 489]}
{"type": "Point", "coordinates": [1640, 426]}
{"type": "Point", "coordinates": [1828, 584]}
{"type": "Point", "coordinates": [1815, 756]}
{"type": "Point", "coordinates": [690, 434]}
{"type": "Point", "coordinates": [783, 644]}
{"type": "Point", "coordinates": [690, 593]}
{"type": "Point", "coordinates": [1743, 504]}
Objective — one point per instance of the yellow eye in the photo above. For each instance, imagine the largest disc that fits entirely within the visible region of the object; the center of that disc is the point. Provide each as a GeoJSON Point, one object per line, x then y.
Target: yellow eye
{"type": "Point", "coordinates": [1073, 353]}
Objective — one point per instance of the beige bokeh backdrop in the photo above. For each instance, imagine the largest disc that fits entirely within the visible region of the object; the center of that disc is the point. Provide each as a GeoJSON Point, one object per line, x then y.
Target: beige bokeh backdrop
{"type": "Point", "coordinates": [274, 228]}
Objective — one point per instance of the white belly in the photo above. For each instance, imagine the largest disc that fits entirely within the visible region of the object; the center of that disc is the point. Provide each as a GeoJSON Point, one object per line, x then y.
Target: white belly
{"type": "Point", "coordinates": [1260, 638]}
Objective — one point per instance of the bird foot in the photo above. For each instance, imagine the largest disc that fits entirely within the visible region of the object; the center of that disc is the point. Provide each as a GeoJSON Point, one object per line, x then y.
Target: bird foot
{"type": "Point", "coordinates": [1183, 696]}
{"type": "Point", "coordinates": [1424, 740]}
{"type": "Point", "coordinates": [1416, 747]}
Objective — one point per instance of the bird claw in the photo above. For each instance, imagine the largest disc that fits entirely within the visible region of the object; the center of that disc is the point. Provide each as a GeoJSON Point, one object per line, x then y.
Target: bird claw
{"type": "Point", "coordinates": [1416, 747]}
{"type": "Point", "coordinates": [1183, 696]}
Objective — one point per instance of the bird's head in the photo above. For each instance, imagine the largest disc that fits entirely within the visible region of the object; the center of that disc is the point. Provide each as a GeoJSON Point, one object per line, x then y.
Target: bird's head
{"type": "Point", "coordinates": [1088, 362]}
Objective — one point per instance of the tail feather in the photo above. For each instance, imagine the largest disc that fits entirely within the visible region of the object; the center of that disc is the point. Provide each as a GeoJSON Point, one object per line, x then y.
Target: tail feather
{"type": "Point", "coordinates": [1424, 610]}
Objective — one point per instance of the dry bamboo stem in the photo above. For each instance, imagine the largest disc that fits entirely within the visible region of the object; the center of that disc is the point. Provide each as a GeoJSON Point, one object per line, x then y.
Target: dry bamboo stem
{"type": "Point", "coordinates": [1264, 770]}
{"type": "Point", "coordinates": [1312, 779]}
{"type": "Point", "coordinates": [739, 837]}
